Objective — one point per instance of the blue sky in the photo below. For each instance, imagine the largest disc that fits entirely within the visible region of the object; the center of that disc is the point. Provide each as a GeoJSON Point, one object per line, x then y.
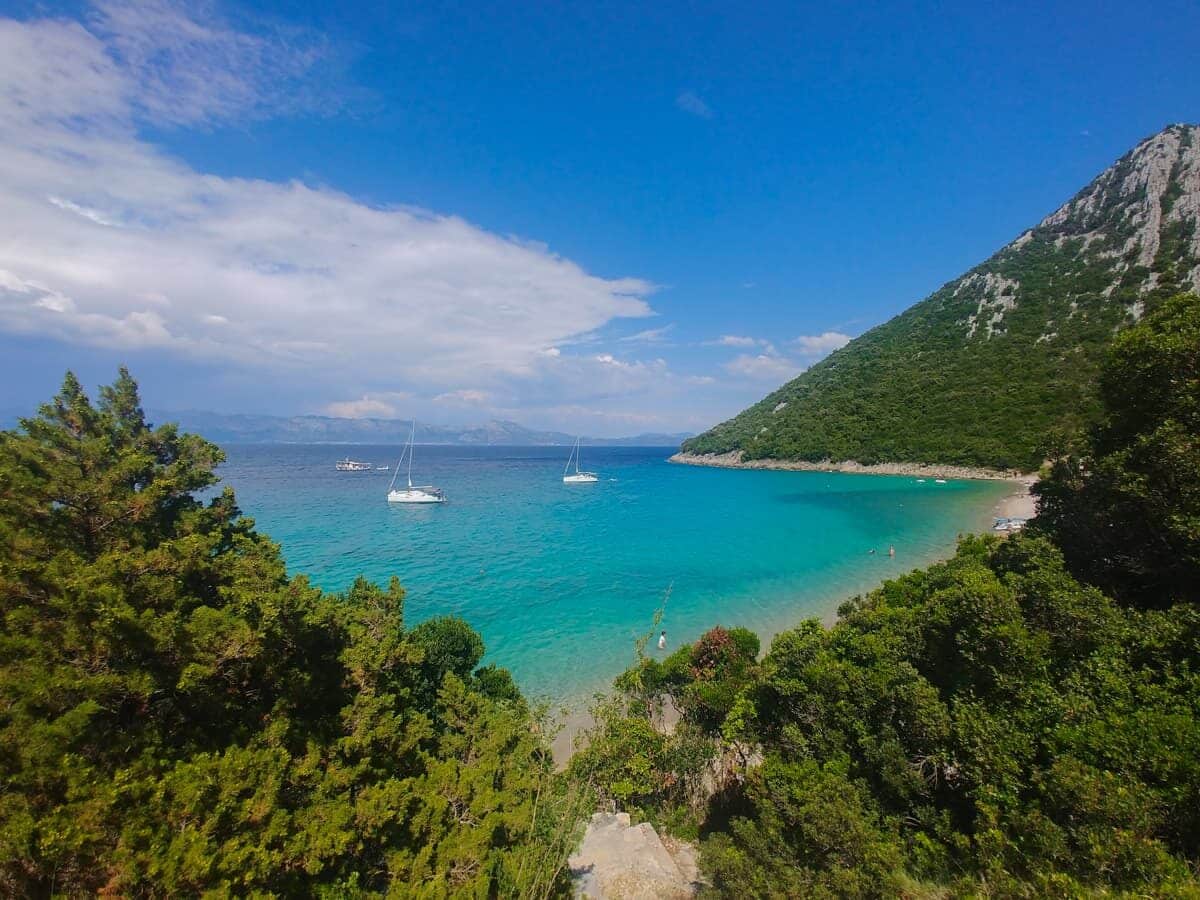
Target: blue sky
{"type": "Point", "coordinates": [601, 217]}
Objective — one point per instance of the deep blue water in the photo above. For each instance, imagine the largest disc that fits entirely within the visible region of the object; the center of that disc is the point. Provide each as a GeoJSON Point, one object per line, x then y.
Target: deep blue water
{"type": "Point", "coordinates": [560, 579]}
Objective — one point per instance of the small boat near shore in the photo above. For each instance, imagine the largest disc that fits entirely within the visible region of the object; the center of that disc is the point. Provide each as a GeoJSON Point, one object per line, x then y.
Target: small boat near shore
{"type": "Point", "coordinates": [1006, 524]}
{"type": "Point", "coordinates": [352, 465]}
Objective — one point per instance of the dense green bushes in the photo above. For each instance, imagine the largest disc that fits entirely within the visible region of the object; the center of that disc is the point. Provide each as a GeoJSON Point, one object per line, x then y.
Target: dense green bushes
{"type": "Point", "coordinates": [989, 724]}
{"type": "Point", "coordinates": [178, 716]}
{"type": "Point", "coordinates": [1021, 720]}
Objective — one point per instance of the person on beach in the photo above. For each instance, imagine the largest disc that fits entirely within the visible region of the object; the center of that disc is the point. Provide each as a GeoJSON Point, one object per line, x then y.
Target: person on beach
{"type": "Point", "coordinates": [662, 641]}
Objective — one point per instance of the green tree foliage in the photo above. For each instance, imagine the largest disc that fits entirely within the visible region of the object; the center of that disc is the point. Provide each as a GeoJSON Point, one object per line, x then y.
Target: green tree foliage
{"type": "Point", "coordinates": [1127, 512]}
{"type": "Point", "coordinates": [1021, 720]}
{"type": "Point", "coordinates": [997, 366]}
{"type": "Point", "coordinates": [990, 721]}
{"type": "Point", "coordinates": [179, 716]}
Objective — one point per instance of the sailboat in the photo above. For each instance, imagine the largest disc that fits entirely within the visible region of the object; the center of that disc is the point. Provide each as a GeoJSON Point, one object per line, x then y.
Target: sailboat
{"type": "Point", "coordinates": [577, 477]}
{"type": "Point", "coordinates": [425, 494]}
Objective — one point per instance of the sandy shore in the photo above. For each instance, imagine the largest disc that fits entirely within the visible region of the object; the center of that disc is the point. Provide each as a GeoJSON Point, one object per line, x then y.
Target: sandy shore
{"type": "Point", "coordinates": [1021, 504]}
{"type": "Point", "coordinates": [733, 460]}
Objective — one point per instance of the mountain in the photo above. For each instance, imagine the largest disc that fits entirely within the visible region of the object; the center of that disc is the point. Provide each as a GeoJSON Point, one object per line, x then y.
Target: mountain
{"type": "Point", "coordinates": [253, 429]}
{"type": "Point", "coordinates": [995, 365]}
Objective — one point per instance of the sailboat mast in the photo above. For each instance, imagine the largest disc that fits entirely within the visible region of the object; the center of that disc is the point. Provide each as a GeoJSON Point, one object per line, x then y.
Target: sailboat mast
{"type": "Point", "coordinates": [411, 443]}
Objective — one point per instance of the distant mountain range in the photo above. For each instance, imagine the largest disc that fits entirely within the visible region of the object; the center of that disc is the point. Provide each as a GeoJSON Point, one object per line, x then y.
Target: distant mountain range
{"type": "Point", "coordinates": [1001, 363]}
{"type": "Point", "coordinates": [247, 429]}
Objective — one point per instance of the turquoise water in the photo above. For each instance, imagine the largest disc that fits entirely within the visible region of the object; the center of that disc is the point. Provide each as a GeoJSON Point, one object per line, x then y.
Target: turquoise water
{"type": "Point", "coordinates": [560, 579]}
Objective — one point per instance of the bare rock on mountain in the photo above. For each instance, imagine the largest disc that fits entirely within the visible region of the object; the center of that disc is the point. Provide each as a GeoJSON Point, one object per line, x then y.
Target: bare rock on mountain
{"type": "Point", "coordinates": [996, 366]}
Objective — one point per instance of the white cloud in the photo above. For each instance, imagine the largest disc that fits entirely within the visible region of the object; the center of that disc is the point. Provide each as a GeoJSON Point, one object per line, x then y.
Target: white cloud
{"type": "Point", "coordinates": [191, 70]}
{"type": "Point", "coordinates": [366, 407]}
{"type": "Point", "coordinates": [735, 340]}
{"type": "Point", "coordinates": [108, 241]}
{"type": "Point", "coordinates": [763, 366]}
{"type": "Point", "coordinates": [692, 103]}
{"type": "Point", "coordinates": [820, 344]}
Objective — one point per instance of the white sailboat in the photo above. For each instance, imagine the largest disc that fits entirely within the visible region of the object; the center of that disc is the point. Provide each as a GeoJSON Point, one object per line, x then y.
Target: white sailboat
{"type": "Point", "coordinates": [577, 477]}
{"type": "Point", "coordinates": [424, 494]}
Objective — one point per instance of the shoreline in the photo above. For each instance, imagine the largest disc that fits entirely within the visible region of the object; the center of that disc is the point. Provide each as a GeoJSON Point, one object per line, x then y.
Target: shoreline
{"type": "Point", "coordinates": [1020, 503]}
{"type": "Point", "coordinates": [733, 460]}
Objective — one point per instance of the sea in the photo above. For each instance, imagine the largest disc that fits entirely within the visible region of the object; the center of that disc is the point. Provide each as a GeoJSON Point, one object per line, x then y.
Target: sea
{"type": "Point", "coordinates": [561, 580]}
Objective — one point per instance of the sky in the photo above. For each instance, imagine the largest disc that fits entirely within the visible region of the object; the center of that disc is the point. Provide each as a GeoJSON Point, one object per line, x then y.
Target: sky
{"type": "Point", "coordinates": [606, 218]}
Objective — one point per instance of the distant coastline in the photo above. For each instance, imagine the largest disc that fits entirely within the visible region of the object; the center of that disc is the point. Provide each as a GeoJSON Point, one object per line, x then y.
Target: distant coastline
{"type": "Point", "coordinates": [1020, 504]}
{"type": "Point", "coordinates": [247, 428]}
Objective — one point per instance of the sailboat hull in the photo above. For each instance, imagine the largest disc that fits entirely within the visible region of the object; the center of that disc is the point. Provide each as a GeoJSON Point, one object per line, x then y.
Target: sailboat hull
{"type": "Point", "coordinates": [415, 495]}
{"type": "Point", "coordinates": [581, 478]}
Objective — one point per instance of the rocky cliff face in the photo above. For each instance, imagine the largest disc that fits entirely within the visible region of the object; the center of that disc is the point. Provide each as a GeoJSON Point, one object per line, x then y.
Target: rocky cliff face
{"type": "Point", "coordinates": [1000, 362]}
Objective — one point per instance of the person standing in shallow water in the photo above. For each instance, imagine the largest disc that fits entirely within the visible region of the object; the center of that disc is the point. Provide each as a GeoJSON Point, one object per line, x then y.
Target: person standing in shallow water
{"type": "Point", "coordinates": [662, 641]}
{"type": "Point", "coordinates": [891, 551]}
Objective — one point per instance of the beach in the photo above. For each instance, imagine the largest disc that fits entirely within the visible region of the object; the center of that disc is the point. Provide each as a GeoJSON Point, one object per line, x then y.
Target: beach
{"type": "Point", "coordinates": [734, 460]}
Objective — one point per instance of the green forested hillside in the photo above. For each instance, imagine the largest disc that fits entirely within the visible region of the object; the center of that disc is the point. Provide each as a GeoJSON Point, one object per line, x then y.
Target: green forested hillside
{"type": "Point", "coordinates": [1000, 364]}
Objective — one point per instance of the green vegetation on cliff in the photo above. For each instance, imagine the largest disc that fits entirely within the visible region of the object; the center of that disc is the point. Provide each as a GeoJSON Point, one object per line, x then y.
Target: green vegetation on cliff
{"type": "Point", "coordinates": [998, 368]}
{"type": "Point", "coordinates": [1020, 721]}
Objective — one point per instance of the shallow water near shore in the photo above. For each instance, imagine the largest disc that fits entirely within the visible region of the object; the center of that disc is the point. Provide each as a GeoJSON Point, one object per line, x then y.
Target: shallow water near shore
{"type": "Point", "coordinates": [561, 579]}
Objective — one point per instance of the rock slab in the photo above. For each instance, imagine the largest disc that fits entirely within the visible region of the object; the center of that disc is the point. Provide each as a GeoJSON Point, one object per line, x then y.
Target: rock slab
{"type": "Point", "coordinates": [619, 861]}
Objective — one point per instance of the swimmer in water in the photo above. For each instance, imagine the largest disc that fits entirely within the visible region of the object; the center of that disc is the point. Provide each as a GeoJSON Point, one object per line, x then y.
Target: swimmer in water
{"type": "Point", "coordinates": [662, 641]}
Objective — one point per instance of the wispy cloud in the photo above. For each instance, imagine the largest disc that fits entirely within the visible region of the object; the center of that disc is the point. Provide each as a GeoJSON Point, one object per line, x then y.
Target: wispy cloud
{"type": "Point", "coordinates": [189, 69]}
{"type": "Point", "coordinates": [691, 103]}
{"type": "Point", "coordinates": [734, 340]}
{"type": "Point", "coordinates": [464, 397]}
{"type": "Point", "coordinates": [649, 336]}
